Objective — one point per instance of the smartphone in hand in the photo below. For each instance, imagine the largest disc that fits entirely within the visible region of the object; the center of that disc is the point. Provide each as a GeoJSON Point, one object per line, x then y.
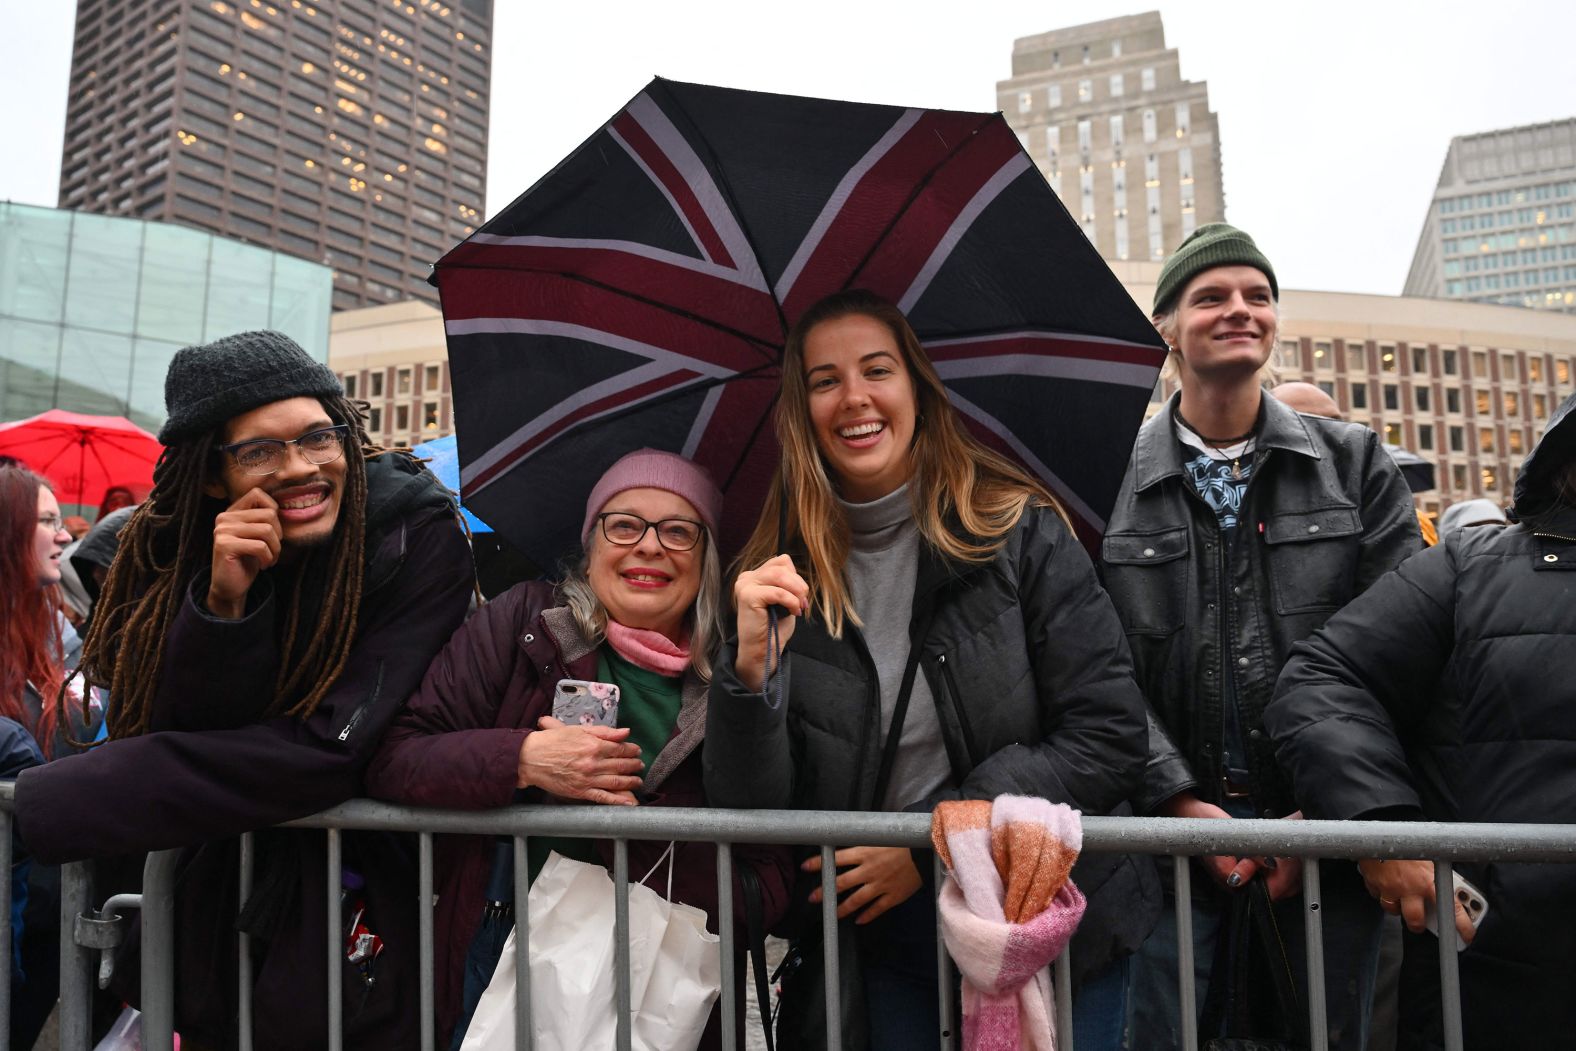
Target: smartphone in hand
{"type": "Point", "coordinates": [578, 702]}
{"type": "Point", "coordinates": [1469, 898]}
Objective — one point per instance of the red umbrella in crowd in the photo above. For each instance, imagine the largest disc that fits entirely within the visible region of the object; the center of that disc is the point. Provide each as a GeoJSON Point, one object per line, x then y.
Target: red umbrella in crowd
{"type": "Point", "coordinates": [83, 456]}
{"type": "Point", "coordinates": [640, 293]}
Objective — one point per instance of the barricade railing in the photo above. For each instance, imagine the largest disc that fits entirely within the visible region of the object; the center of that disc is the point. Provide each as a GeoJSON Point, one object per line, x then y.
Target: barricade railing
{"type": "Point", "coordinates": [1179, 838]}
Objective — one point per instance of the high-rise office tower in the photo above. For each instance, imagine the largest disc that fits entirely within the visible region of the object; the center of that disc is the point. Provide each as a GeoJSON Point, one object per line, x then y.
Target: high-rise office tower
{"type": "Point", "coordinates": [1502, 225]}
{"type": "Point", "coordinates": [1130, 147]}
{"type": "Point", "coordinates": [348, 132]}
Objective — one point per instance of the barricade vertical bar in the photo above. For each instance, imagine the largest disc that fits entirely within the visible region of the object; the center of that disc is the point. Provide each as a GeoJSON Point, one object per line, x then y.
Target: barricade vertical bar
{"type": "Point", "coordinates": [336, 944]}
{"type": "Point", "coordinates": [1182, 884]}
{"type": "Point", "coordinates": [730, 1006]}
{"type": "Point", "coordinates": [1313, 925]}
{"type": "Point", "coordinates": [829, 949]}
{"type": "Point", "coordinates": [243, 963]}
{"type": "Point", "coordinates": [524, 1038]}
{"type": "Point", "coordinates": [424, 895]}
{"type": "Point", "coordinates": [5, 924]}
{"type": "Point", "coordinates": [1062, 968]}
{"type": "Point", "coordinates": [623, 1031]}
{"type": "Point", "coordinates": [944, 997]}
{"type": "Point", "coordinates": [1449, 973]}
{"type": "Point", "coordinates": [158, 950]}
{"type": "Point", "coordinates": [76, 964]}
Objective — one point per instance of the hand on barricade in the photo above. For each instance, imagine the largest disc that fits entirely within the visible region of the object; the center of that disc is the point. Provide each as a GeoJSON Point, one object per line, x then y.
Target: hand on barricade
{"type": "Point", "coordinates": [1221, 867]}
{"type": "Point", "coordinates": [246, 539]}
{"type": "Point", "coordinates": [595, 763]}
{"type": "Point", "coordinates": [1405, 888]}
{"type": "Point", "coordinates": [880, 877]}
{"type": "Point", "coordinates": [774, 583]}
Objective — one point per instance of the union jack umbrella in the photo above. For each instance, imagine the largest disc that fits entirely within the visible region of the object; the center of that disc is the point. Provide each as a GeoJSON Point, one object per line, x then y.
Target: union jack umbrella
{"type": "Point", "coordinates": [640, 294]}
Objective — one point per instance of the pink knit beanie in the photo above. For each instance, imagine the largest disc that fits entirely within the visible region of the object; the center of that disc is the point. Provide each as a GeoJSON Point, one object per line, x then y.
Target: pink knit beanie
{"type": "Point", "coordinates": [655, 469]}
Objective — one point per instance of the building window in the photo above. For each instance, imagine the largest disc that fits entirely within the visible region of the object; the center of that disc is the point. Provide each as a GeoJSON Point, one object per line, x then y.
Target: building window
{"type": "Point", "coordinates": [1085, 90]}
{"type": "Point", "coordinates": [1356, 356]}
{"type": "Point", "coordinates": [1535, 370]}
{"type": "Point", "coordinates": [375, 421]}
{"type": "Point", "coordinates": [1117, 85]}
{"type": "Point", "coordinates": [1482, 402]}
{"type": "Point", "coordinates": [1149, 125]}
{"type": "Point", "coordinates": [1458, 439]}
{"type": "Point", "coordinates": [1184, 118]}
{"type": "Point", "coordinates": [1053, 96]}
{"type": "Point", "coordinates": [1116, 130]}
{"type": "Point", "coordinates": [402, 418]}
{"type": "Point", "coordinates": [1512, 403]}
{"type": "Point", "coordinates": [432, 379]}
{"type": "Point", "coordinates": [1508, 373]}
{"type": "Point", "coordinates": [402, 381]}
{"type": "Point", "coordinates": [1450, 364]}
{"type": "Point", "coordinates": [1419, 361]}
{"type": "Point", "coordinates": [429, 416]}
{"type": "Point", "coordinates": [1116, 49]}
{"type": "Point", "coordinates": [1392, 433]}
{"type": "Point", "coordinates": [1540, 408]}
{"type": "Point", "coordinates": [1486, 439]}
{"type": "Point", "coordinates": [1420, 394]}
{"type": "Point", "coordinates": [1515, 441]}
{"type": "Point", "coordinates": [1425, 437]}
{"type": "Point", "coordinates": [1490, 479]}
{"type": "Point", "coordinates": [1458, 478]}
{"type": "Point", "coordinates": [1025, 101]}
{"type": "Point", "coordinates": [1359, 395]}
{"type": "Point", "coordinates": [1387, 360]}
{"type": "Point", "coordinates": [1085, 136]}
{"type": "Point", "coordinates": [1322, 356]}
{"type": "Point", "coordinates": [350, 384]}
{"type": "Point", "coordinates": [1479, 365]}
{"type": "Point", "coordinates": [1452, 399]}
{"type": "Point", "coordinates": [375, 386]}
{"type": "Point", "coordinates": [1146, 79]}
{"type": "Point", "coordinates": [1392, 397]}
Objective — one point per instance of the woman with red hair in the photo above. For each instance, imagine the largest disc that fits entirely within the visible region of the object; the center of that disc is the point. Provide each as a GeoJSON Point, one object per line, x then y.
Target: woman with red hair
{"type": "Point", "coordinates": [32, 653]}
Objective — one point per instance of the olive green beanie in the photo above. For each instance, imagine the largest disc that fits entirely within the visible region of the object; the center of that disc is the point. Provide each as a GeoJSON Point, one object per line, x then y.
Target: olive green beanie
{"type": "Point", "coordinates": [1211, 245]}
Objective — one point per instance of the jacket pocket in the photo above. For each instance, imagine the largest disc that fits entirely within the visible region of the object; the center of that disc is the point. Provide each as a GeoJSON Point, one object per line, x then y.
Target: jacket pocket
{"type": "Point", "coordinates": [1147, 579]}
{"type": "Point", "coordinates": [1308, 573]}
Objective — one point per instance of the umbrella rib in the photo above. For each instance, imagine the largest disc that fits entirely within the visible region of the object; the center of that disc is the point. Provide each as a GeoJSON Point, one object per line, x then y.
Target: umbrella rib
{"type": "Point", "coordinates": [745, 447]}
{"type": "Point", "coordinates": [1002, 330]}
{"type": "Point", "coordinates": [726, 189]}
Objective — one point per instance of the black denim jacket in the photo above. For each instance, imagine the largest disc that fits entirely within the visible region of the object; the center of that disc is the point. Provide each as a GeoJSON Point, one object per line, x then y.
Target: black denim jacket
{"type": "Point", "coordinates": [1326, 513]}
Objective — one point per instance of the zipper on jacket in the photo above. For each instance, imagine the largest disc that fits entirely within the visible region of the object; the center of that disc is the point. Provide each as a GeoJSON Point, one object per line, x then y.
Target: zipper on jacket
{"type": "Point", "coordinates": [957, 708]}
{"type": "Point", "coordinates": [1556, 536]}
{"type": "Point", "coordinates": [361, 709]}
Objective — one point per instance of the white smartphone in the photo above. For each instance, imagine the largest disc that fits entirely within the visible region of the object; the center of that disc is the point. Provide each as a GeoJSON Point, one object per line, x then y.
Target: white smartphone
{"type": "Point", "coordinates": [1472, 900]}
{"type": "Point", "coordinates": [577, 702]}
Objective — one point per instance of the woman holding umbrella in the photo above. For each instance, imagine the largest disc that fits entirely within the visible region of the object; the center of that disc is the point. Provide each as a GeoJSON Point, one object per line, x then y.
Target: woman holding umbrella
{"type": "Point", "coordinates": [640, 609]}
{"type": "Point", "coordinates": [899, 545]}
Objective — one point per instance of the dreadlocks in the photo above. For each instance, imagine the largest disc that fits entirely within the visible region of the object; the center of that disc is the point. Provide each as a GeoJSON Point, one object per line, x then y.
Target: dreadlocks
{"type": "Point", "coordinates": [170, 539]}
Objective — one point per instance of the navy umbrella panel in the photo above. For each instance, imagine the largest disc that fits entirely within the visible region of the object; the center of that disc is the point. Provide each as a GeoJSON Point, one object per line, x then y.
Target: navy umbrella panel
{"type": "Point", "coordinates": [640, 294]}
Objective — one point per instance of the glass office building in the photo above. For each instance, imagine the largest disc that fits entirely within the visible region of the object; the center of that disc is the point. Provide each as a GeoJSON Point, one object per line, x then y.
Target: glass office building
{"type": "Point", "coordinates": [92, 308]}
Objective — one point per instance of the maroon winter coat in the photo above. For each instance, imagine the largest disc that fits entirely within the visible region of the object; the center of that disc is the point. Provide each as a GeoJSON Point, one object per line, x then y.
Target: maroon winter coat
{"type": "Point", "coordinates": [457, 745]}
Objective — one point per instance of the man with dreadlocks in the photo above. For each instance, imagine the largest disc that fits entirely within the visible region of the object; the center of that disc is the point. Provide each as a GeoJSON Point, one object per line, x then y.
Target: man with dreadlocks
{"type": "Point", "coordinates": [274, 602]}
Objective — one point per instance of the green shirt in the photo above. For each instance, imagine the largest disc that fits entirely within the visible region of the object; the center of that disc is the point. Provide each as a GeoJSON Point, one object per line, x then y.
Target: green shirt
{"type": "Point", "coordinates": [648, 703]}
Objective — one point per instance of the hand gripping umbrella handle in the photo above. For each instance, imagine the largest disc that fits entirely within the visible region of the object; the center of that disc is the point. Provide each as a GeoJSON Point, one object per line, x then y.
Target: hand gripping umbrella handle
{"type": "Point", "coordinates": [773, 661]}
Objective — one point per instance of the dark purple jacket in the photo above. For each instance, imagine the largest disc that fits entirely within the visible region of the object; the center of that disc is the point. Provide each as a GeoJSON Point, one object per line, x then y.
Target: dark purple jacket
{"type": "Point", "coordinates": [215, 768]}
{"type": "Point", "coordinates": [457, 745]}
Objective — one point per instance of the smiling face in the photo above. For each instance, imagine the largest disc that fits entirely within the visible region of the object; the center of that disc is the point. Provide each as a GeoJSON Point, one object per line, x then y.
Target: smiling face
{"type": "Point", "coordinates": [308, 494]}
{"type": "Point", "coordinates": [1226, 321]}
{"type": "Point", "coordinates": [645, 585]}
{"type": "Point", "coordinates": [49, 540]}
{"type": "Point", "coordinates": [862, 404]}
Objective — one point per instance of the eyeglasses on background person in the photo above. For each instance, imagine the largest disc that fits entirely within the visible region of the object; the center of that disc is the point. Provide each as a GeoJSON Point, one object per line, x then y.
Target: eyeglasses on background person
{"type": "Point", "coordinates": [627, 530]}
{"type": "Point", "coordinates": [264, 456]}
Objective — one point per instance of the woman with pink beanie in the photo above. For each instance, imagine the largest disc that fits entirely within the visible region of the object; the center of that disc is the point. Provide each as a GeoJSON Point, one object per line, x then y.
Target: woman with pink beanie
{"type": "Point", "coordinates": [639, 609]}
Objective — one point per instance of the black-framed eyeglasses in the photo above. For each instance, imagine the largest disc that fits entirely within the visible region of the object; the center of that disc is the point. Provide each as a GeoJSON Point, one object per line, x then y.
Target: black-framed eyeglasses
{"type": "Point", "coordinates": [264, 456]}
{"type": "Point", "coordinates": [627, 530]}
{"type": "Point", "coordinates": [54, 523]}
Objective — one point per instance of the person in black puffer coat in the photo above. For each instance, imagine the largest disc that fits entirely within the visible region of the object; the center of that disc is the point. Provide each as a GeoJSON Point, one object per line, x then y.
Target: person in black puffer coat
{"type": "Point", "coordinates": [922, 546]}
{"type": "Point", "coordinates": [1447, 691]}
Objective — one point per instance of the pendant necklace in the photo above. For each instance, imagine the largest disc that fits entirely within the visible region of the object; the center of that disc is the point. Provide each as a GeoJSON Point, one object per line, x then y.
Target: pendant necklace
{"type": "Point", "coordinates": [1217, 454]}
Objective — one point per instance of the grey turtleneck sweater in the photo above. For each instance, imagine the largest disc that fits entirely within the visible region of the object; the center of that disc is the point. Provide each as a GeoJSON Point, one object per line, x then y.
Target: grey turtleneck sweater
{"type": "Point", "coordinates": [883, 566]}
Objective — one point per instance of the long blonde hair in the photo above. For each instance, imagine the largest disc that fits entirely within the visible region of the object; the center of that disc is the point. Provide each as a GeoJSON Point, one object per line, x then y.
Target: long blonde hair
{"type": "Point", "coordinates": [954, 479]}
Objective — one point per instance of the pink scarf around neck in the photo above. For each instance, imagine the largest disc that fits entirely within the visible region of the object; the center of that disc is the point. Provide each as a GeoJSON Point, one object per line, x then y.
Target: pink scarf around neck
{"type": "Point", "coordinates": [647, 649]}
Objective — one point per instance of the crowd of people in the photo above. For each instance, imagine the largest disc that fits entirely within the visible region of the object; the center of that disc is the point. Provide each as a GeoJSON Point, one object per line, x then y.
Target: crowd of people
{"type": "Point", "coordinates": [290, 620]}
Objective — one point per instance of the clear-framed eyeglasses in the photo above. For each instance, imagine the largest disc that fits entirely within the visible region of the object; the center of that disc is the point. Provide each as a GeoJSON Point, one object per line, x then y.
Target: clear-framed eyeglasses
{"type": "Point", "coordinates": [264, 456]}
{"type": "Point", "coordinates": [627, 530]}
{"type": "Point", "coordinates": [53, 523]}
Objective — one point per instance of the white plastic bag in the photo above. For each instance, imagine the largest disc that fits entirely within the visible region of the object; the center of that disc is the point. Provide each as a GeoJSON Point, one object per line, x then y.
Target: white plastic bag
{"type": "Point", "coordinates": [674, 968]}
{"type": "Point", "coordinates": [126, 1033]}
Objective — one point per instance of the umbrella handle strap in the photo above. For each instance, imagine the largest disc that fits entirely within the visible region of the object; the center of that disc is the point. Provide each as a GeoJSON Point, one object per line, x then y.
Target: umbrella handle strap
{"type": "Point", "coordinates": [771, 681]}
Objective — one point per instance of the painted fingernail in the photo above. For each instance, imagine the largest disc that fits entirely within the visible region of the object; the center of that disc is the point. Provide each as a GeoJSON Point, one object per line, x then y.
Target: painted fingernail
{"type": "Point", "coordinates": [1234, 880]}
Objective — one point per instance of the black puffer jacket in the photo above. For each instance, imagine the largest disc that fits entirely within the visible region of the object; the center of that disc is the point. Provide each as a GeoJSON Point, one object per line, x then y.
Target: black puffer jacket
{"type": "Point", "coordinates": [1034, 689]}
{"type": "Point", "coordinates": [1448, 691]}
{"type": "Point", "coordinates": [1326, 513]}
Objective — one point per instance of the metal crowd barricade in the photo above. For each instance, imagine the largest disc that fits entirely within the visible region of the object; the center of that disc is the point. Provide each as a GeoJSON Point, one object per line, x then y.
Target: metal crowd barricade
{"type": "Point", "coordinates": [1179, 838]}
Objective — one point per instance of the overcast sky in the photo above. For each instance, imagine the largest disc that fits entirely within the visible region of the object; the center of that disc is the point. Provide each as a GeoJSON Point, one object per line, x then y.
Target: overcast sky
{"type": "Point", "coordinates": [1334, 115]}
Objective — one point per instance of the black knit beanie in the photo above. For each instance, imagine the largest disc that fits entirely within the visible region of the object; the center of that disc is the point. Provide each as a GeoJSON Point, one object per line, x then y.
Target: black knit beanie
{"type": "Point", "coordinates": [212, 382]}
{"type": "Point", "coordinates": [1211, 245]}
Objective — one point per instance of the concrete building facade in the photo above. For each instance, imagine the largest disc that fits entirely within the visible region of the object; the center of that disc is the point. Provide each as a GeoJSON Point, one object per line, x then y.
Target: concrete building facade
{"type": "Point", "coordinates": [1130, 146]}
{"type": "Point", "coordinates": [395, 358]}
{"type": "Point", "coordinates": [1501, 227]}
{"type": "Point", "coordinates": [348, 132]}
{"type": "Point", "coordinates": [1468, 386]}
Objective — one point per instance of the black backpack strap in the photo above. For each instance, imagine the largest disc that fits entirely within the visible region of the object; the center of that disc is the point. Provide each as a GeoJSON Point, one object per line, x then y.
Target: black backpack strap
{"type": "Point", "coordinates": [900, 712]}
{"type": "Point", "coordinates": [755, 924]}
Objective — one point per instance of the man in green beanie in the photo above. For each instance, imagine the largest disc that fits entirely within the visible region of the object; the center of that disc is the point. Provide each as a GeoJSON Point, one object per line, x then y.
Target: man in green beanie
{"type": "Point", "coordinates": [272, 605]}
{"type": "Point", "coordinates": [1240, 528]}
